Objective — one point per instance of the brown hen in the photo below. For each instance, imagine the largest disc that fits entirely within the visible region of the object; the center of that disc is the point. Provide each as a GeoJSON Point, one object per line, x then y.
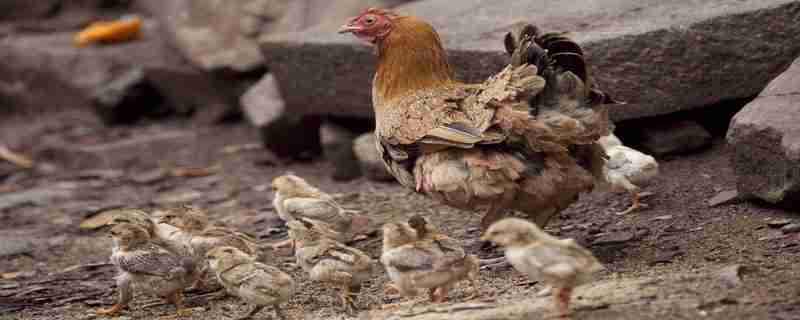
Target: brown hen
{"type": "Point", "coordinates": [525, 139]}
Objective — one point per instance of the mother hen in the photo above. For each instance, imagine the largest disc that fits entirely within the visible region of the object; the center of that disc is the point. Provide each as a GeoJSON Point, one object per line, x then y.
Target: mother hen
{"type": "Point", "coordinates": [525, 139]}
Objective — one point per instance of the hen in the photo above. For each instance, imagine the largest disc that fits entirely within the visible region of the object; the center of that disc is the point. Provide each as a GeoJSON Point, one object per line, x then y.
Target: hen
{"type": "Point", "coordinates": [525, 139]}
{"type": "Point", "coordinates": [628, 169]}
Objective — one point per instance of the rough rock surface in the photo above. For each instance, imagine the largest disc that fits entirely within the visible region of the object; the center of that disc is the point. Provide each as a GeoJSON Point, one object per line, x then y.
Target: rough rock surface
{"type": "Point", "coordinates": [675, 138]}
{"type": "Point", "coordinates": [36, 65]}
{"type": "Point", "coordinates": [765, 137]}
{"type": "Point", "coordinates": [215, 34]}
{"type": "Point", "coordinates": [660, 57]}
{"type": "Point", "coordinates": [370, 160]}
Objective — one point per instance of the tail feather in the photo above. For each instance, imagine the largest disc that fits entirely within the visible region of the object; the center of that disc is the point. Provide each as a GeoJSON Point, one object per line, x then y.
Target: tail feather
{"type": "Point", "coordinates": [569, 110]}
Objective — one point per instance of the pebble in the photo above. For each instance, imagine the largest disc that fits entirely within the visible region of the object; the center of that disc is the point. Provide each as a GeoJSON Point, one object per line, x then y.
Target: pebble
{"type": "Point", "coordinates": [777, 223]}
{"type": "Point", "coordinates": [724, 197]}
{"type": "Point", "coordinates": [149, 177]}
{"type": "Point", "coordinates": [791, 228]}
{"type": "Point", "coordinates": [614, 238]}
{"type": "Point", "coordinates": [11, 246]}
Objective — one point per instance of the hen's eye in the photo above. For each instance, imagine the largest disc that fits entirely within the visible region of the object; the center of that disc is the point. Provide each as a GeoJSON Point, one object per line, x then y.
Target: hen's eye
{"type": "Point", "coordinates": [369, 20]}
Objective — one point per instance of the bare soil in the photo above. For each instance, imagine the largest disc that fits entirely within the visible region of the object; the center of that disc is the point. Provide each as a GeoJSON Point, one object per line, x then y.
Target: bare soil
{"type": "Point", "coordinates": [677, 259]}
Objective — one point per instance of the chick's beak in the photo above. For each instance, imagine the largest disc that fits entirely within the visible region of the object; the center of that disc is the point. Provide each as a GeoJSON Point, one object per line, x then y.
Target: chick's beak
{"type": "Point", "coordinates": [485, 237]}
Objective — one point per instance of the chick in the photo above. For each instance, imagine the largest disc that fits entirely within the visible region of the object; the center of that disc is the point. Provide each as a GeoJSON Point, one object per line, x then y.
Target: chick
{"type": "Point", "coordinates": [464, 265]}
{"type": "Point", "coordinates": [627, 169]}
{"type": "Point", "coordinates": [142, 263]}
{"type": "Point", "coordinates": [295, 198]}
{"type": "Point", "coordinates": [253, 282]}
{"type": "Point", "coordinates": [195, 233]}
{"type": "Point", "coordinates": [414, 264]}
{"type": "Point", "coordinates": [330, 262]}
{"type": "Point", "coordinates": [563, 264]}
{"type": "Point", "coordinates": [161, 234]}
{"type": "Point", "coordinates": [193, 222]}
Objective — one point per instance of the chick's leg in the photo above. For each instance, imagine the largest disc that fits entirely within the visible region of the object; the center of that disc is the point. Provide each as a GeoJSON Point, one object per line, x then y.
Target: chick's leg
{"type": "Point", "coordinates": [251, 313]}
{"type": "Point", "coordinates": [125, 295]}
{"type": "Point", "coordinates": [636, 195]}
{"type": "Point", "coordinates": [561, 297]}
{"type": "Point", "coordinates": [177, 299]}
{"type": "Point", "coordinates": [348, 301]}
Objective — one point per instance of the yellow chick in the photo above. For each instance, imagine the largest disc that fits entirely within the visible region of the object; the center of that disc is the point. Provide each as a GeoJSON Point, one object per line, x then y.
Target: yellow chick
{"type": "Point", "coordinates": [255, 283]}
{"type": "Point", "coordinates": [143, 264]}
{"type": "Point", "coordinates": [295, 198]}
{"type": "Point", "coordinates": [330, 262]}
{"type": "Point", "coordinates": [563, 264]}
{"type": "Point", "coordinates": [627, 169]}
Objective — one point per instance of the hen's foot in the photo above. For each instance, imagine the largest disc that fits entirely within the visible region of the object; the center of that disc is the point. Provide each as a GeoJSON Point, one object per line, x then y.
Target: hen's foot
{"type": "Point", "coordinates": [113, 310]}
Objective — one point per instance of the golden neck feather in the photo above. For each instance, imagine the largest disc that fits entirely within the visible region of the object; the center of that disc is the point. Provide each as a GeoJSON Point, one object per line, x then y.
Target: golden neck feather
{"type": "Point", "coordinates": [410, 58]}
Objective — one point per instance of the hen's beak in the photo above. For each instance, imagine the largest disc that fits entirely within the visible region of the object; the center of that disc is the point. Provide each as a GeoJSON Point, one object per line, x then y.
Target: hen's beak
{"type": "Point", "coordinates": [349, 28]}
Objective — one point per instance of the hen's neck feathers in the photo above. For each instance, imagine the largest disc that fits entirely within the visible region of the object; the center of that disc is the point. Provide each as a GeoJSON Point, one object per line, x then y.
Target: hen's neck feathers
{"type": "Point", "coordinates": [410, 58]}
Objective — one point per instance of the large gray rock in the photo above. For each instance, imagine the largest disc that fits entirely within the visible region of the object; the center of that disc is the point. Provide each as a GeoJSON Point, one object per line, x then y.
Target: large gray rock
{"type": "Point", "coordinates": [659, 56]}
{"type": "Point", "coordinates": [45, 71]}
{"type": "Point", "coordinates": [214, 34]}
{"type": "Point", "coordinates": [765, 137]}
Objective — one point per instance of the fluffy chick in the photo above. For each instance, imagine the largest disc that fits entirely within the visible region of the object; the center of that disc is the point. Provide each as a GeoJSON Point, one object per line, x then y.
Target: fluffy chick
{"type": "Point", "coordinates": [295, 198]}
{"type": "Point", "coordinates": [464, 266]}
{"type": "Point", "coordinates": [202, 237]}
{"type": "Point", "coordinates": [161, 234]}
{"type": "Point", "coordinates": [253, 282]}
{"type": "Point", "coordinates": [194, 232]}
{"type": "Point", "coordinates": [563, 264]}
{"type": "Point", "coordinates": [330, 262]}
{"type": "Point", "coordinates": [146, 265]}
{"type": "Point", "coordinates": [414, 264]}
{"type": "Point", "coordinates": [627, 169]}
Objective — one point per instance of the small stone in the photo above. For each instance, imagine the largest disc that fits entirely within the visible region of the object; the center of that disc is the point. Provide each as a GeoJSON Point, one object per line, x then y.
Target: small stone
{"type": "Point", "coordinates": [337, 147]}
{"type": "Point", "coordinates": [149, 177]}
{"type": "Point", "coordinates": [370, 160]}
{"type": "Point", "coordinates": [724, 197]}
{"type": "Point", "coordinates": [732, 274]}
{"type": "Point", "coordinates": [178, 197]}
{"type": "Point", "coordinates": [12, 246]}
{"type": "Point", "coordinates": [8, 285]}
{"type": "Point", "coordinates": [675, 138]}
{"type": "Point", "coordinates": [662, 218]}
{"type": "Point", "coordinates": [217, 196]}
{"type": "Point", "coordinates": [127, 98]}
{"type": "Point", "coordinates": [665, 256]}
{"type": "Point", "coordinates": [106, 174]}
{"type": "Point", "coordinates": [37, 197]}
{"type": "Point", "coordinates": [614, 238]}
{"type": "Point", "coordinates": [777, 223]}
{"type": "Point", "coordinates": [791, 228]}
{"type": "Point", "coordinates": [18, 275]}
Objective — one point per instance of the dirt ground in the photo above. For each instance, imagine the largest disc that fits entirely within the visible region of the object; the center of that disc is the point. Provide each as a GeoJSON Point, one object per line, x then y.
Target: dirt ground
{"type": "Point", "coordinates": [678, 259]}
